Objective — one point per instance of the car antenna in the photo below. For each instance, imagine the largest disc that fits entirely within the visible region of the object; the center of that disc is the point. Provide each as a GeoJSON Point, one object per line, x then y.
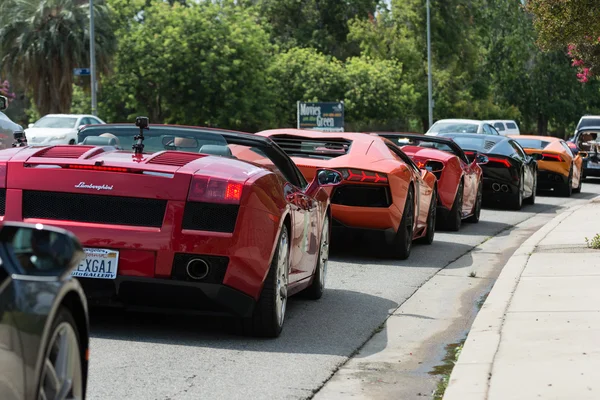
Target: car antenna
{"type": "Point", "coordinates": [142, 123]}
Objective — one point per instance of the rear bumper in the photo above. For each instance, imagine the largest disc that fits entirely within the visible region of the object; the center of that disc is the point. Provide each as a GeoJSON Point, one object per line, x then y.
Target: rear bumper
{"type": "Point", "coordinates": [369, 218]}
{"type": "Point", "coordinates": [168, 295]}
{"type": "Point", "coordinates": [550, 179]}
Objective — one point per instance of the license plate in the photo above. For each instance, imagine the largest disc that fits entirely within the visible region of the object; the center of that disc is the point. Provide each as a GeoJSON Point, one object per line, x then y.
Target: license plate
{"type": "Point", "coordinates": [593, 165]}
{"type": "Point", "coordinates": [98, 263]}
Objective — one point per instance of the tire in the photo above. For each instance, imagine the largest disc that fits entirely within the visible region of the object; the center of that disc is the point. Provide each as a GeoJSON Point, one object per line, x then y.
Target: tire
{"type": "Point", "coordinates": [317, 287]}
{"type": "Point", "coordinates": [402, 242]}
{"type": "Point", "coordinates": [431, 219]}
{"type": "Point", "coordinates": [64, 344]}
{"type": "Point", "coordinates": [531, 199]}
{"type": "Point", "coordinates": [578, 188]}
{"type": "Point", "coordinates": [566, 189]}
{"type": "Point", "coordinates": [477, 208]}
{"type": "Point", "coordinates": [269, 312]}
{"type": "Point", "coordinates": [516, 202]}
{"type": "Point", "coordinates": [454, 219]}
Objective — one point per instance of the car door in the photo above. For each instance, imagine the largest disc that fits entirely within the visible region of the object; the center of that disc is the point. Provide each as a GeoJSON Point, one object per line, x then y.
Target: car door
{"type": "Point", "coordinates": [528, 167]}
{"type": "Point", "coordinates": [12, 372]}
{"type": "Point", "coordinates": [305, 235]}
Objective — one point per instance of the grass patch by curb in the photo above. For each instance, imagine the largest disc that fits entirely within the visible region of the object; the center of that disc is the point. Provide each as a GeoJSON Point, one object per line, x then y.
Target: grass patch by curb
{"type": "Point", "coordinates": [445, 369]}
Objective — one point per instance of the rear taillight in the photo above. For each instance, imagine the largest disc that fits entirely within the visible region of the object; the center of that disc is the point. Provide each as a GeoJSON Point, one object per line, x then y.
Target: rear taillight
{"type": "Point", "coordinates": [208, 189]}
{"type": "Point", "coordinates": [498, 162]}
{"type": "Point", "coordinates": [357, 175]}
{"type": "Point", "coordinates": [551, 157]}
{"type": "Point", "coordinates": [3, 175]}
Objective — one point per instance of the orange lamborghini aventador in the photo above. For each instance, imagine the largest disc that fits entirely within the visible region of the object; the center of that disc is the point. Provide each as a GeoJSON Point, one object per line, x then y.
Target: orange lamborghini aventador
{"type": "Point", "coordinates": [382, 190]}
{"type": "Point", "coordinates": [558, 169]}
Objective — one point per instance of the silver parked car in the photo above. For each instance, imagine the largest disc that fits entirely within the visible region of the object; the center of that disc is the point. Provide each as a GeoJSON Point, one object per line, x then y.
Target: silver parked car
{"type": "Point", "coordinates": [7, 127]}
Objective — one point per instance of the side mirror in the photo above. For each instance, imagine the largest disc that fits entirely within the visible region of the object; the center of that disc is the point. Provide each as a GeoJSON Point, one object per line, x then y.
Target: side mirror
{"type": "Point", "coordinates": [328, 177]}
{"type": "Point", "coordinates": [481, 159]}
{"type": "Point", "coordinates": [324, 178]}
{"type": "Point", "coordinates": [537, 156]}
{"type": "Point", "coordinates": [30, 126]}
{"type": "Point", "coordinates": [39, 250]}
{"type": "Point", "coordinates": [3, 103]}
{"type": "Point", "coordinates": [80, 126]}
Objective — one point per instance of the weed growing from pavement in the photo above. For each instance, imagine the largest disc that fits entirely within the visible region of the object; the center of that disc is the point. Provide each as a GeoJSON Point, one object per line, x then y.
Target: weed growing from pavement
{"type": "Point", "coordinates": [473, 274]}
{"type": "Point", "coordinates": [594, 243]}
{"type": "Point", "coordinates": [482, 300]}
{"type": "Point", "coordinates": [452, 353]}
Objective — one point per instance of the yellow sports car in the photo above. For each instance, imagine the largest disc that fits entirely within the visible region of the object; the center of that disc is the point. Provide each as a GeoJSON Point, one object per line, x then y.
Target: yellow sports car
{"type": "Point", "coordinates": [558, 169]}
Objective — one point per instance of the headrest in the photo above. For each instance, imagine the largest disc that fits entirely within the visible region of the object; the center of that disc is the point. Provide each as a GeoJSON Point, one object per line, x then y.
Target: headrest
{"type": "Point", "coordinates": [99, 141]}
{"type": "Point", "coordinates": [216, 150]}
{"type": "Point", "coordinates": [185, 142]}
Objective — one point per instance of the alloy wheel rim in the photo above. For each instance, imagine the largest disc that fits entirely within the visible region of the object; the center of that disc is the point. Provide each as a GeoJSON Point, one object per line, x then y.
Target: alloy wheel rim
{"type": "Point", "coordinates": [282, 279]}
{"type": "Point", "coordinates": [324, 254]}
{"type": "Point", "coordinates": [62, 372]}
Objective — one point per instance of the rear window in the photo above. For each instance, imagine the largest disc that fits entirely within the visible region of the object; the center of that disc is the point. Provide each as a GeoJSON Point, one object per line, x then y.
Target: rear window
{"type": "Point", "coordinates": [511, 125]}
{"type": "Point", "coordinates": [533, 143]}
{"type": "Point", "coordinates": [469, 143]}
{"type": "Point", "coordinates": [324, 149]}
{"type": "Point", "coordinates": [453, 127]}
{"type": "Point", "coordinates": [589, 122]}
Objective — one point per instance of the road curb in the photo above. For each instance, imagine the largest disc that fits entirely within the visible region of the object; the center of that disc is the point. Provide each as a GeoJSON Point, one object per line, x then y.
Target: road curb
{"type": "Point", "coordinates": [471, 373]}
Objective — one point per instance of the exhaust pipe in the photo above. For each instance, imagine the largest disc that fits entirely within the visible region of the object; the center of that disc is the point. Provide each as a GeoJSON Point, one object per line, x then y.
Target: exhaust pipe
{"type": "Point", "coordinates": [496, 187]}
{"type": "Point", "coordinates": [197, 269]}
{"type": "Point", "coordinates": [504, 188]}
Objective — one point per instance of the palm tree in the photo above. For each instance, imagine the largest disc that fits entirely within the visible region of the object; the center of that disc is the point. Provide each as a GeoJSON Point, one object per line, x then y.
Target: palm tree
{"type": "Point", "coordinates": [44, 40]}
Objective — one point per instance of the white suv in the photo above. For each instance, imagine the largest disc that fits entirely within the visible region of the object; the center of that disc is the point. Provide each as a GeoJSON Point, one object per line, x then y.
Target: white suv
{"type": "Point", "coordinates": [505, 127]}
{"type": "Point", "coordinates": [588, 120]}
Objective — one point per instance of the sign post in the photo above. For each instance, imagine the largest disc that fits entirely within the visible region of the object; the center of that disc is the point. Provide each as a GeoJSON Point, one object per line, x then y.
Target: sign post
{"type": "Point", "coordinates": [321, 116]}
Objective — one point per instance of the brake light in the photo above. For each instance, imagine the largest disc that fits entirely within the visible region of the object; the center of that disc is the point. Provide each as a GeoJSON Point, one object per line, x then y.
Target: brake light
{"type": "Point", "coordinates": [357, 175]}
{"type": "Point", "coordinates": [207, 189]}
{"type": "Point", "coordinates": [504, 162]}
{"type": "Point", "coordinates": [3, 175]}
{"type": "Point", "coordinates": [97, 168]}
{"type": "Point", "coordinates": [551, 157]}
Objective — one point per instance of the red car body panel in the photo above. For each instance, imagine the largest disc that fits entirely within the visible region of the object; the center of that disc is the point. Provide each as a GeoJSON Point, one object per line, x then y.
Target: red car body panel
{"type": "Point", "coordinates": [373, 155]}
{"type": "Point", "coordinates": [454, 170]}
{"type": "Point", "coordinates": [147, 253]}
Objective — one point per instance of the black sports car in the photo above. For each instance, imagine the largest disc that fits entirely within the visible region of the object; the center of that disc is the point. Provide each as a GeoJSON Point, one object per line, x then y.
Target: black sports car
{"type": "Point", "coordinates": [587, 144]}
{"type": "Point", "coordinates": [509, 175]}
{"type": "Point", "coordinates": [43, 315]}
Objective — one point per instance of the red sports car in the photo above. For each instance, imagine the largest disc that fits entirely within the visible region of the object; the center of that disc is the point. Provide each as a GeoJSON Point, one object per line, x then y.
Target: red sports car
{"type": "Point", "coordinates": [180, 223]}
{"type": "Point", "coordinates": [460, 188]}
{"type": "Point", "coordinates": [383, 190]}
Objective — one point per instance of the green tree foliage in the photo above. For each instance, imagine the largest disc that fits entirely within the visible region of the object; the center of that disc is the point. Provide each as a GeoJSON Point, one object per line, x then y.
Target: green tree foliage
{"type": "Point", "coordinates": [42, 41]}
{"type": "Point", "coordinates": [201, 64]}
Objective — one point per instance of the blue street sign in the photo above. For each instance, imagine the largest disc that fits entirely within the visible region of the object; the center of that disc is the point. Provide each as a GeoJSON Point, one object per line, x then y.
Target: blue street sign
{"type": "Point", "coordinates": [82, 72]}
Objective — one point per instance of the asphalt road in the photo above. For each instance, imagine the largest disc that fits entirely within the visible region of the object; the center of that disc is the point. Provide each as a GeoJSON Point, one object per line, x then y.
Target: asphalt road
{"type": "Point", "coordinates": [150, 356]}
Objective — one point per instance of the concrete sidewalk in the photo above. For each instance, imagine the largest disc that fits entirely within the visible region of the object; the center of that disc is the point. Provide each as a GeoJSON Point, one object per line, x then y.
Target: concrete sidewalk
{"type": "Point", "coordinates": [538, 334]}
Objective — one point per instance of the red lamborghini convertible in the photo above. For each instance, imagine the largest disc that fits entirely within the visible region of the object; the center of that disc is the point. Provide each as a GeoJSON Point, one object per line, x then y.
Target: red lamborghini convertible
{"type": "Point", "coordinates": [180, 223]}
{"type": "Point", "coordinates": [460, 187]}
{"type": "Point", "coordinates": [382, 188]}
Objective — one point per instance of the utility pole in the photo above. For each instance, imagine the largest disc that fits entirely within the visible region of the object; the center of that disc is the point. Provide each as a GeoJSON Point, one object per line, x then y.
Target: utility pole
{"type": "Point", "coordinates": [429, 84]}
{"type": "Point", "coordinates": [93, 59]}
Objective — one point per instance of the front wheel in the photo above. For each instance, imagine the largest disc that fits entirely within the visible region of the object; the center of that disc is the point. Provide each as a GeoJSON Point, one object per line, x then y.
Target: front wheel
{"type": "Point", "coordinates": [402, 242]}
{"type": "Point", "coordinates": [317, 287]}
{"type": "Point", "coordinates": [62, 372]}
{"type": "Point", "coordinates": [269, 312]}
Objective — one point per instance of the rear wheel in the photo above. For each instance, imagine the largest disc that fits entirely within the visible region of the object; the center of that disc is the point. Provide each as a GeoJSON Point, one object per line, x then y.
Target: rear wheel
{"type": "Point", "coordinates": [477, 208]}
{"type": "Point", "coordinates": [566, 189]}
{"type": "Point", "coordinates": [316, 289]}
{"type": "Point", "coordinates": [431, 217]}
{"type": "Point", "coordinates": [531, 199]}
{"type": "Point", "coordinates": [402, 242]}
{"type": "Point", "coordinates": [516, 201]}
{"type": "Point", "coordinates": [62, 372]}
{"type": "Point", "coordinates": [454, 219]}
{"type": "Point", "coordinates": [269, 312]}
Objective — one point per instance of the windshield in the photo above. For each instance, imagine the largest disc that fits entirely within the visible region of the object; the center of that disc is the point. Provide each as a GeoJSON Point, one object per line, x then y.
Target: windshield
{"type": "Point", "coordinates": [470, 143]}
{"type": "Point", "coordinates": [56, 122]}
{"type": "Point", "coordinates": [585, 122]}
{"type": "Point", "coordinates": [533, 143]}
{"type": "Point", "coordinates": [453, 127]}
{"type": "Point", "coordinates": [405, 141]}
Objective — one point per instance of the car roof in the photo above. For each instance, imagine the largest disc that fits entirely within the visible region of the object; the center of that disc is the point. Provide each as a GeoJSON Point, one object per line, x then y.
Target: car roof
{"type": "Point", "coordinates": [536, 137]}
{"type": "Point", "coordinates": [500, 120]}
{"type": "Point", "coordinates": [460, 120]}
{"type": "Point", "coordinates": [499, 138]}
{"type": "Point", "coordinates": [590, 116]}
{"type": "Point", "coordinates": [68, 115]}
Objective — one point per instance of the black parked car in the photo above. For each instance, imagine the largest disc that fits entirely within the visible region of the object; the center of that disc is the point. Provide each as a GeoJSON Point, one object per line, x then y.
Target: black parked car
{"type": "Point", "coordinates": [509, 175]}
{"type": "Point", "coordinates": [43, 314]}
